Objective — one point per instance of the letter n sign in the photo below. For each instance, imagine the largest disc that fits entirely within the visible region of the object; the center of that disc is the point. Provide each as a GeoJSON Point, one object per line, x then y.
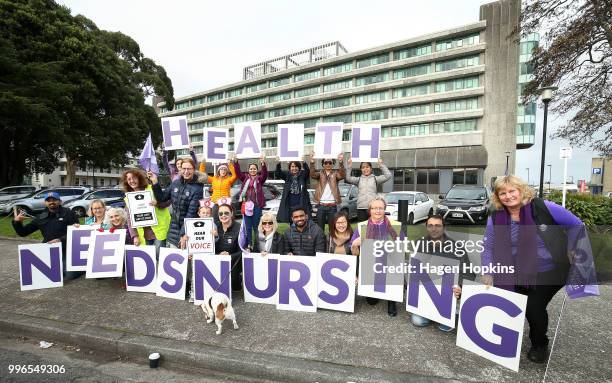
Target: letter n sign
{"type": "Point", "coordinates": [40, 266]}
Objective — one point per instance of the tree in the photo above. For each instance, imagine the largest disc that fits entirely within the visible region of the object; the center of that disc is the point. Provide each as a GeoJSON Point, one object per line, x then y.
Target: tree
{"type": "Point", "coordinates": [81, 91]}
{"type": "Point", "coordinates": [576, 56]}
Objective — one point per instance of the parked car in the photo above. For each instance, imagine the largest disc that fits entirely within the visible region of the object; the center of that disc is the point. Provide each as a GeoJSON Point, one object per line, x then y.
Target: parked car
{"type": "Point", "coordinates": [420, 206]}
{"type": "Point", "coordinates": [271, 193]}
{"type": "Point", "coordinates": [6, 207]}
{"type": "Point", "coordinates": [465, 204]}
{"type": "Point", "coordinates": [14, 192]}
{"type": "Point", "coordinates": [348, 204]}
{"type": "Point", "coordinates": [81, 204]}
{"type": "Point", "coordinates": [36, 203]}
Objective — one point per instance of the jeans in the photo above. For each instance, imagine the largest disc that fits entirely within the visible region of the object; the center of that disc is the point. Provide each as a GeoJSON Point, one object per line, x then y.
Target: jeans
{"type": "Point", "coordinates": [420, 321]}
{"type": "Point", "coordinates": [251, 223]}
{"type": "Point", "coordinates": [325, 214]}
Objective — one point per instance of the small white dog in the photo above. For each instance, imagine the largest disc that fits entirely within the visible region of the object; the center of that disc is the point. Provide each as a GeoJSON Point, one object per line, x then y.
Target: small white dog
{"type": "Point", "coordinates": [220, 308]}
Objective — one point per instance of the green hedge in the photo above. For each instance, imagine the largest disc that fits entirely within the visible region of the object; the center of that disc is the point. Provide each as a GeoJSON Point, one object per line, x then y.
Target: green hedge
{"type": "Point", "coordinates": [592, 210]}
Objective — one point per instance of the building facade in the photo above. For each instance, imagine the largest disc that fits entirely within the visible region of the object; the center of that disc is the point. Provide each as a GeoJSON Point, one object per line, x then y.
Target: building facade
{"type": "Point", "coordinates": [89, 176]}
{"type": "Point", "coordinates": [446, 101]}
{"type": "Point", "coordinates": [601, 175]}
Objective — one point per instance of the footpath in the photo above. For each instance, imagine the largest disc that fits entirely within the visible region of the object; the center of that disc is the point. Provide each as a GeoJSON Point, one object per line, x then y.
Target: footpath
{"type": "Point", "coordinates": [327, 346]}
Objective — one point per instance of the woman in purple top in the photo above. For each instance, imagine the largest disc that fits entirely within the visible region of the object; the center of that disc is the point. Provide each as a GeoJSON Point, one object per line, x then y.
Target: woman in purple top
{"type": "Point", "coordinates": [174, 169]}
{"type": "Point", "coordinates": [529, 240]}
{"type": "Point", "coordinates": [252, 193]}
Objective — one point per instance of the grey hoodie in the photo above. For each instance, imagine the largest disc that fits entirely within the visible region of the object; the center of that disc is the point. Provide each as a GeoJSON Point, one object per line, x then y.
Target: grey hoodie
{"type": "Point", "coordinates": [368, 185]}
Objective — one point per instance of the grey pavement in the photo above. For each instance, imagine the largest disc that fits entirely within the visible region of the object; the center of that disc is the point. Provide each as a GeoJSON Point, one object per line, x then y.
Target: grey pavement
{"type": "Point", "coordinates": [366, 346]}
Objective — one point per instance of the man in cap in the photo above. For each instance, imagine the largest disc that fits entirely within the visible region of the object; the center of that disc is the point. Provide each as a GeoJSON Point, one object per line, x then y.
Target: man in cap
{"type": "Point", "coordinates": [53, 224]}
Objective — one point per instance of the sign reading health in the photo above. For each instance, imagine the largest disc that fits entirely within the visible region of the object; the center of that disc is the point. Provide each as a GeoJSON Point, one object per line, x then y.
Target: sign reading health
{"type": "Point", "coordinates": [175, 132]}
{"type": "Point", "coordinates": [328, 139]}
{"type": "Point", "coordinates": [290, 142]}
{"type": "Point", "coordinates": [216, 144]}
{"type": "Point", "coordinates": [365, 144]}
{"type": "Point", "coordinates": [40, 266]}
{"type": "Point", "coordinates": [491, 323]}
{"type": "Point", "coordinates": [247, 140]}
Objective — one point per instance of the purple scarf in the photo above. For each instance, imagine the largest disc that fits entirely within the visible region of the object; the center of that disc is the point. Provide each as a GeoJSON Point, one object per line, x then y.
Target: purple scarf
{"type": "Point", "coordinates": [525, 264]}
{"type": "Point", "coordinates": [380, 231]}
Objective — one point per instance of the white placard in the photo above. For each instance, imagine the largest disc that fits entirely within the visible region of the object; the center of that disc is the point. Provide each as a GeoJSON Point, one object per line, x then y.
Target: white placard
{"type": "Point", "coordinates": [220, 267]}
{"type": "Point", "coordinates": [142, 214]}
{"type": "Point", "coordinates": [365, 142]}
{"type": "Point", "coordinates": [260, 278]}
{"type": "Point", "coordinates": [40, 266]}
{"type": "Point", "coordinates": [175, 132]}
{"type": "Point", "coordinates": [144, 265]}
{"type": "Point", "coordinates": [105, 256]}
{"type": "Point", "coordinates": [172, 273]}
{"type": "Point", "coordinates": [492, 324]}
{"type": "Point", "coordinates": [77, 242]}
{"type": "Point", "coordinates": [247, 140]}
{"type": "Point", "coordinates": [297, 275]}
{"type": "Point", "coordinates": [290, 142]}
{"type": "Point", "coordinates": [200, 237]}
{"type": "Point", "coordinates": [343, 277]}
{"type": "Point", "coordinates": [328, 139]}
{"type": "Point", "coordinates": [216, 145]}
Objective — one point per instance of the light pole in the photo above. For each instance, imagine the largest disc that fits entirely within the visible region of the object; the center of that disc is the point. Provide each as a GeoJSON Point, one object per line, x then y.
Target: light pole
{"type": "Point", "coordinates": [527, 176]}
{"type": "Point", "coordinates": [547, 94]}
{"type": "Point", "coordinates": [549, 176]}
{"type": "Point", "coordinates": [507, 160]}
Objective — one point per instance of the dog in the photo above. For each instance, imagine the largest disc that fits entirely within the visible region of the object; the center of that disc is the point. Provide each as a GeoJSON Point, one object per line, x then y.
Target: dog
{"type": "Point", "coordinates": [219, 308]}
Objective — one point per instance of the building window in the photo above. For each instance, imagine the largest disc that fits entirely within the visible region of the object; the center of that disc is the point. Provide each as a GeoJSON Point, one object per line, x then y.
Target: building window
{"type": "Point", "coordinates": [255, 101]}
{"type": "Point", "coordinates": [344, 67]}
{"type": "Point", "coordinates": [412, 52]}
{"type": "Point", "coordinates": [234, 92]}
{"type": "Point", "coordinates": [411, 72]}
{"type": "Point", "coordinates": [463, 62]}
{"type": "Point", "coordinates": [197, 126]}
{"type": "Point", "coordinates": [374, 60]}
{"type": "Point", "coordinates": [255, 116]}
{"type": "Point", "coordinates": [337, 103]}
{"type": "Point", "coordinates": [216, 109]}
{"type": "Point", "coordinates": [235, 119]}
{"type": "Point", "coordinates": [372, 115]}
{"type": "Point", "coordinates": [371, 97]}
{"type": "Point", "coordinates": [217, 122]}
{"type": "Point", "coordinates": [346, 118]}
{"type": "Point", "coordinates": [346, 135]}
{"type": "Point", "coordinates": [454, 126]}
{"type": "Point", "coordinates": [279, 82]}
{"type": "Point", "coordinates": [309, 123]}
{"type": "Point", "coordinates": [334, 86]}
{"type": "Point", "coordinates": [197, 101]}
{"type": "Point", "coordinates": [307, 91]}
{"type": "Point", "coordinates": [268, 143]}
{"type": "Point", "coordinates": [279, 97]}
{"type": "Point", "coordinates": [372, 79]}
{"type": "Point", "coordinates": [456, 105]}
{"type": "Point", "coordinates": [308, 75]}
{"type": "Point", "coordinates": [198, 113]}
{"type": "Point", "coordinates": [417, 90]}
{"type": "Point", "coordinates": [196, 138]}
{"type": "Point", "coordinates": [269, 128]}
{"type": "Point", "coordinates": [457, 42]}
{"type": "Point", "coordinates": [457, 84]}
{"type": "Point", "coordinates": [235, 106]}
{"type": "Point", "coordinates": [215, 97]}
{"type": "Point", "coordinates": [256, 87]}
{"type": "Point", "coordinates": [305, 108]}
{"type": "Point", "coordinates": [412, 110]}
{"type": "Point", "coordinates": [528, 109]}
{"type": "Point", "coordinates": [280, 112]}
{"type": "Point", "coordinates": [181, 105]}
{"type": "Point", "coordinates": [308, 139]}
{"type": "Point", "coordinates": [526, 68]}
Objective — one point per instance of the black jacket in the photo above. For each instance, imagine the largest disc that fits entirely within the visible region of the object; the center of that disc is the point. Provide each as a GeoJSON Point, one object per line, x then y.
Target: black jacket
{"type": "Point", "coordinates": [277, 244]}
{"type": "Point", "coordinates": [51, 225]}
{"type": "Point", "coordinates": [307, 242]}
{"type": "Point", "coordinates": [447, 250]}
{"type": "Point", "coordinates": [185, 197]}
{"type": "Point", "coordinates": [228, 241]}
{"type": "Point", "coordinates": [284, 211]}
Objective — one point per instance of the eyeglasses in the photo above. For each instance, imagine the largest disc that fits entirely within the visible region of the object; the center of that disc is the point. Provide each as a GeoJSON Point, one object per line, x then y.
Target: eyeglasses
{"type": "Point", "coordinates": [327, 163]}
{"type": "Point", "coordinates": [267, 223]}
{"type": "Point", "coordinates": [377, 208]}
{"type": "Point", "coordinates": [222, 213]}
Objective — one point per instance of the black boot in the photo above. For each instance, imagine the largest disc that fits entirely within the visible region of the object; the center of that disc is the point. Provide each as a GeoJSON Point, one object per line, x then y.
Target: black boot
{"type": "Point", "coordinates": [538, 354]}
{"type": "Point", "coordinates": [371, 301]}
{"type": "Point", "coordinates": [391, 309]}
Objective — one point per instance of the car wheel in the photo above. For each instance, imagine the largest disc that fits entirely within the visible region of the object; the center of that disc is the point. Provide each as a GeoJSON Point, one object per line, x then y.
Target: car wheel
{"type": "Point", "coordinates": [430, 213]}
{"type": "Point", "coordinates": [410, 219]}
{"type": "Point", "coordinates": [79, 212]}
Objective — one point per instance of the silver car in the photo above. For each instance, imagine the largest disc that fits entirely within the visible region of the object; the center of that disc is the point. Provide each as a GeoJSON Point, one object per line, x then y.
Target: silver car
{"type": "Point", "coordinates": [348, 204]}
{"type": "Point", "coordinates": [36, 203]}
{"type": "Point", "coordinates": [15, 192]}
{"type": "Point", "coordinates": [80, 206]}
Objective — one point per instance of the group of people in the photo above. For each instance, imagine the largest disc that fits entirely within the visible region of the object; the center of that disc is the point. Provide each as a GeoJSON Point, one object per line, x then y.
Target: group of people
{"type": "Point", "coordinates": [514, 234]}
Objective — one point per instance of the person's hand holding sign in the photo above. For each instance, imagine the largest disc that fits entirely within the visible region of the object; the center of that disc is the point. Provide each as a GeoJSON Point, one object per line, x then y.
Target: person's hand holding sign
{"type": "Point", "coordinates": [152, 176]}
{"type": "Point", "coordinates": [349, 162]}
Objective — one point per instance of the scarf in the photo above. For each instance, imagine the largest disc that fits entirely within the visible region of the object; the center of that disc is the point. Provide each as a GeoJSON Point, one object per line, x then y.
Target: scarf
{"type": "Point", "coordinates": [380, 231]}
{"type": "Point", "coordinates": [525, 262]}
{"type": "Point", "coordinates": [265, 241]}
{"type": "Point", "coordinates": [294, 186]}
{"type": "Point", "coordinates": [246, 186]}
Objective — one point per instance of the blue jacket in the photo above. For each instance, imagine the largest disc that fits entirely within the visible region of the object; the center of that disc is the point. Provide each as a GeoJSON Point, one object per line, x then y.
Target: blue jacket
{"type": "Point", "coordinates": [185, 197]}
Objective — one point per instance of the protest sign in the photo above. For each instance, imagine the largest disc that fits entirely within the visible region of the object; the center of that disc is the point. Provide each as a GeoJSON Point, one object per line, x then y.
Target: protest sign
{"type": "Point", "coordinates": [336, 284]}
{"type": "Point", "coordinates": [142, 213]}
{"type": "Point", "coordinates": [247, 140]}
{"type": "Point", "coordinates": [105, 255]}
{"type": "Point", "coordinates": [260, 276]}
{"type": "Point", "coordinates": [77, 246]}
{"type": "Point", "coordinates": [328, 139]}
{"type": "Point", "coordinates": [200, 237]}
{"type": "Point", "coordinates": [40, 266]}
{"type": "Point", "coordinates": [174, 130]}
{"type": "Point", "coordinates": [172, 273]}
{"type": "Point", "coordinates": [297, 283]}
{"type": "Point", "coordinates": [365, 143]}
{"type": "Point", "coordinates": [290, 141]}
{"type": "Point", "coordinates": [211, 273]}
{"type": "Point", "coordinates": [216, 144]}
{"type": "Point", "coordinates": [140, 269]}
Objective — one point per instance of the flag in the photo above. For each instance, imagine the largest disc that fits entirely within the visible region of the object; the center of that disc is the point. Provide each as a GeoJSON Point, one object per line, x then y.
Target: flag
{"type": "Point", "coordinates": [147, 160]}
{"type": "Point", "coordinates": [242, 237]}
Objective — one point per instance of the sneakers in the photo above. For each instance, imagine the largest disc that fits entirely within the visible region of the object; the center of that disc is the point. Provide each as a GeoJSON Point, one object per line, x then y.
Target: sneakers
{"type": "Point", "coordinates": [538, 354]}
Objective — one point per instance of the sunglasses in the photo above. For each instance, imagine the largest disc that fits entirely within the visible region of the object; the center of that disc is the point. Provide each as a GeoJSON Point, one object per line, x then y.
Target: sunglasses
{"type": "Point", "coordinates": [222, 213]}
{"type": "Point", "coordinates": [327, 163]}
{"type": "Point", "coordinates": [267, 223]}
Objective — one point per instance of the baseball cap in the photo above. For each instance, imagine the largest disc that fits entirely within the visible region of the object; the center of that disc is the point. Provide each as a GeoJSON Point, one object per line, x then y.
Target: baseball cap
{"type": "Point", "coordinates": [54, 195]}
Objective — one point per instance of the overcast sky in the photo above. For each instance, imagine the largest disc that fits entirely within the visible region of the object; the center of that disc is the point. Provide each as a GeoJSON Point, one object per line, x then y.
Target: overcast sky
{"type": "Point", "coordinates": [205, 44]}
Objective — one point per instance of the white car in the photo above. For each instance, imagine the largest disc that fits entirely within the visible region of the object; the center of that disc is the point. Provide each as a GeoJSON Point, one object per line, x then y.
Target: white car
{"type": "Point", "coordinates": [420, 206]}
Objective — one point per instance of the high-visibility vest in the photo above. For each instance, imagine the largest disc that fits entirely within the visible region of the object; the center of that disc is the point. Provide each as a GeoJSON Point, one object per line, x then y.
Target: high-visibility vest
{"type": "Point", "coordinates": [163, 223]}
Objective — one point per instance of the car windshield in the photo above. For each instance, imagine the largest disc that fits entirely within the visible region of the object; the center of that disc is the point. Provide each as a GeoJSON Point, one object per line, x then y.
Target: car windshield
{"type": "Point", "coordinates": [394, 198]}
{"type": "Point", "coordinates": [461, 193]}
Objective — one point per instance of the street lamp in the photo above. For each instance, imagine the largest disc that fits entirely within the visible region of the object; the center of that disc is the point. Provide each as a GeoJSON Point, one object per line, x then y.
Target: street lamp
{"type": "Point", "coordinates": [527, 176]}
{"type": "Point", "coordinates": [547, 94]}
{"type": "Point", "coordinates": [507, 158]}
{"type": "Point", "coordinates": [549, 176]}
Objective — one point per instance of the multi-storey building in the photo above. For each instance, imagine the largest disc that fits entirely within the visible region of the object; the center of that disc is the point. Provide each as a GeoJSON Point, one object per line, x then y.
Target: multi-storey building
{"type": "Point", "coordinates": [446, 101]}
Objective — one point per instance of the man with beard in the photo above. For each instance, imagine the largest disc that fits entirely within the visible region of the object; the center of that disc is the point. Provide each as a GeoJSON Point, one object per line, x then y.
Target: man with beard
{"type": "Point", "coordinates": [303, 237]}
{"type": "Point", "coordinates": [53, 224]}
